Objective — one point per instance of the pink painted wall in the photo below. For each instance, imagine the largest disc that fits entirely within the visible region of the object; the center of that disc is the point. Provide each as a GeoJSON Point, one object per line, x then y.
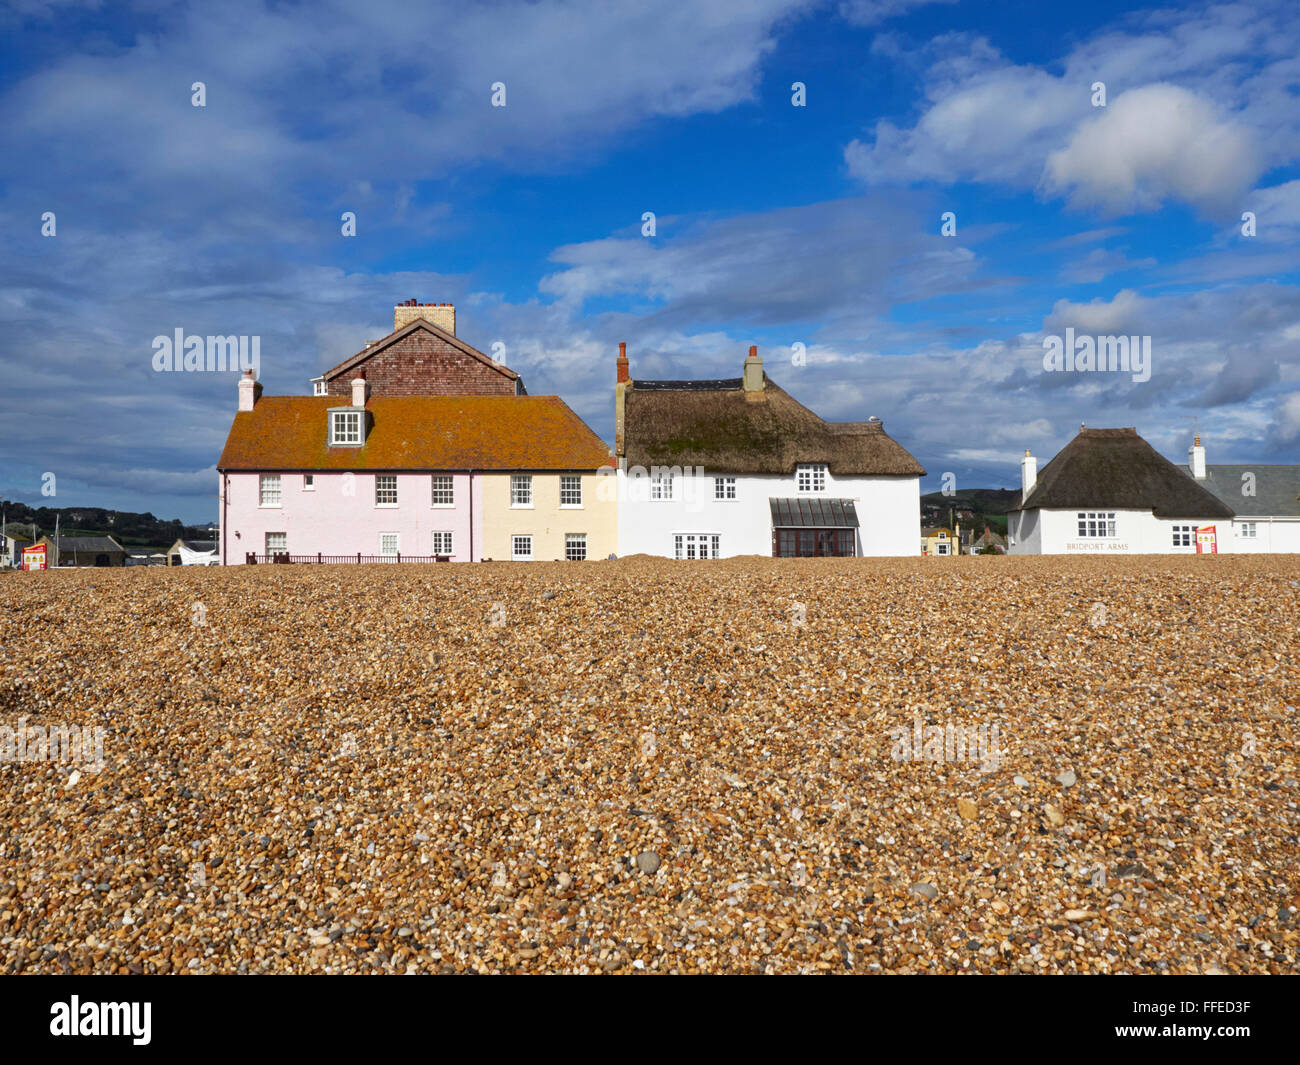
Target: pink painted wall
{"type": "Point", "coordinates": [334, 521]}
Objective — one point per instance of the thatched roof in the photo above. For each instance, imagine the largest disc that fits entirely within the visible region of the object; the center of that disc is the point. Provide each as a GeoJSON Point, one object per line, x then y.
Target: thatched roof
{"type": "Point", "coordinates": [1115, 469]}
{"type": "Point", "coordinates": [712, 424]}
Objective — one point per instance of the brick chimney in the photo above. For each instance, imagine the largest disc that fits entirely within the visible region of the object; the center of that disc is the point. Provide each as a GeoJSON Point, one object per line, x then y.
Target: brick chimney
{"type": "Point", "coordinates": [443, 315]}
{"type": "Point", "coordinates": [359, 390]}
{"type": "Point", "coordinates": [753, 379]}
{"type": "Point", "coordinates": [621, 385]}
{"type": "Point", "coordinates": [249, 391]}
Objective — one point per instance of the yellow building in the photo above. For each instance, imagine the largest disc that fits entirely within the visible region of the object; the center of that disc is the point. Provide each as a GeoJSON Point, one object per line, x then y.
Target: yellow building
{"type": "Point", "coordinates": [549, 516]}
{"type": "Point", "coordinates": [937, 541]}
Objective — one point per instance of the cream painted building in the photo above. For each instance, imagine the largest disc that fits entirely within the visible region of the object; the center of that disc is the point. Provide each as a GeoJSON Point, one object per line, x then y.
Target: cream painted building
{"type": "Point", "coordinates": [545, 516]}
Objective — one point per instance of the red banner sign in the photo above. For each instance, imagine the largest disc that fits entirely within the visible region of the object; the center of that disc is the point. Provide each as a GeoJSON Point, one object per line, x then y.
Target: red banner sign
{"type": "Point", "coordinates": [34, 557]}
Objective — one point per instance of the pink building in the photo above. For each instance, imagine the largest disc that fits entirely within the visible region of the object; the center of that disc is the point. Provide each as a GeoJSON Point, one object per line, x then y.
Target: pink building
{"type": "Point", "coordinates": [390, 456]}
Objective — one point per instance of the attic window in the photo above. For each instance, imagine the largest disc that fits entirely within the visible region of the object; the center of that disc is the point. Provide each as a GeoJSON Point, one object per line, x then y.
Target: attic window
{"type": "Point", "coordinates": [345, 427]}
{"type": "Point", "coordinates": [322, 389]}
{"type": "Point", "coordinates": [811, 477]}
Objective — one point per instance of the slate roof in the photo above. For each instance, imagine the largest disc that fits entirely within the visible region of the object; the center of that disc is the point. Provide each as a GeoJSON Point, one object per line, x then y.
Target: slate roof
{"type": "Point", "coordinates": [1116, 469]}
{"type": "Point", "coordinates": [1277, 489]}
{"type": "Point", "coordinates": [85, 544]}
{"type": "Point", "coordinates": [416, 433]}
{"type": "Point", "coordinates": [712, 424]}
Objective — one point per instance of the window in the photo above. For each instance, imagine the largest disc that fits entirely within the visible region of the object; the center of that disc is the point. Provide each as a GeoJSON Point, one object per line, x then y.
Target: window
{"type": "Point", "coordinates": [943, 549]}
{"type": "Point", "coordinates": [521, 548]}
{"type": "Point", "coordinates": [816, 543]}
{"type": "Point", "coordinates": [386, 490]}
{"type": "Point", "coordinates": [521, 490]}
{"type": "Point", "coordinates": [575, 547]}
{"type": "Point", "coordinates": [570, 491]}
{"type": "Point", "coordinates": [308, 482]}
{"type": "Point", "coordinates": [389, 543]}
{"type": "Point", "coordinates": [270, 490]}
{"type": "Point", "coordinates": [661, 482]}
{"type": "Point", "coordinates": [321, 388]}
{"type": "Point", "coordinates": [1247, 530]}
{"type": "Point", "coordinates": [697, 545]}
{"type": "Point", "coordinates": [811, 477]}
{"type": "Point", "coordinates": [444, 492]}
{"type": "Point", "coordinates": [1096, 523]}
{"type": "Point", "coordinates": [442, 543]}
{"type": "Point", "coordinates": [724, 488]}
{"type": "Point", "coordinates": [277, 543]}
{"type": "Point", "coordinates": [345, 427]}
{"type": "Point", "coordinates": [1183, 535]}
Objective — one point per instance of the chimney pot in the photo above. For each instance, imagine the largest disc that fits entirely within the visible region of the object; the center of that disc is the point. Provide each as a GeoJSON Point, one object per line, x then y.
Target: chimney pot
{"type": "Point", "coordinates": [752, 381]}
{"type": "Point", "coordinates": [623, 372]}
{"type": "Point", "coordinates": [249, 390]}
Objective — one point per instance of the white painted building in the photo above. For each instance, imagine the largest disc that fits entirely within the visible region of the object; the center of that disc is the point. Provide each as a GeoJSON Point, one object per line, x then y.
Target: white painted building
{"type": "Point", "coordinates": [1265, 500]}
{"type": "Point", "coordinates": [713, 469]}
{"type": "Point", "coordinates": [1109, 492]}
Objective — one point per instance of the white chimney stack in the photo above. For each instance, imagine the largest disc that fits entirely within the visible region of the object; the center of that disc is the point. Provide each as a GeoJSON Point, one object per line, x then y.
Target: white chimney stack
{"type": "Point", "coordinates": [753, 379]}
{"type": "Point", "coordinates": [1196, 458]}
{"type": "Point", "coordinates": [358, 391]}
{"type": "Point", "coordinates": [248, 389]}
{"type": "Point", "coordinates": [1028, 475]}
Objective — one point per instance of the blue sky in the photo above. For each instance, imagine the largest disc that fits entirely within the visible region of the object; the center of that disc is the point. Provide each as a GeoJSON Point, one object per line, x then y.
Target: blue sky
{"type": "Point", "coordinates": [776, 225]}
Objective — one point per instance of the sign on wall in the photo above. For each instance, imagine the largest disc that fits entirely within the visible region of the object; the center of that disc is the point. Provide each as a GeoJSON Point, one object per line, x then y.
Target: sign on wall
{"type": "Point", "coordinates": [1207, 540]}
{"type": "Point", "coordinates": [34, 556]}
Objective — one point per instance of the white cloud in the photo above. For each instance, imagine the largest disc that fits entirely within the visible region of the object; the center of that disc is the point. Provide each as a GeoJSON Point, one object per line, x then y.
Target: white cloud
{"type": "Point", "coordinates": [1154, 144]}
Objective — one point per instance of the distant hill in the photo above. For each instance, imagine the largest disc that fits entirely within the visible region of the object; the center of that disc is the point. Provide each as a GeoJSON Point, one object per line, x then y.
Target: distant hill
{"type": "Point", "coordinates": [127, 528]}
{"type": "Point", "coordinates": [988, 505]}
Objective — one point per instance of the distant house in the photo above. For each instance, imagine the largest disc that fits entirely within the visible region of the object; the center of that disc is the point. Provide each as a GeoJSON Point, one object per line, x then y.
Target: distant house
{"type": "Point", "coordinates": [193, 553]}
{"type": "Point", "coordinates": [16, 537]}
{"type": "Point", "coordinates": [988, 538]}
{"type": "Point", "coordinates": [1110, 492]}
{"type": "Point", "coordinates": [737, 466]}
{"type": "Point", "coordinates": [84, 550]}
{"type": "Point", "coordinates": [937, 541]}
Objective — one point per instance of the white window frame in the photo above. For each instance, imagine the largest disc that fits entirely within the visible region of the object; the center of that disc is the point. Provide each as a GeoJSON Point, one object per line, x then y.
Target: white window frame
{"type": "Point", "coordinates": [436, 487]}
{"type": "Point", "coordinates": [269, 487]}
{"type": "Point", "coordinates": [943, 547]}
{"type": "Point", "coordinates": [571, 485]}
{"type": "Point", "coordinates": [351, 436]}
{"type": "Point", "coordinates": [811, 476]}
{"type": "Point", "coordinates": [283, 550]}
{"type": "Point", "coordinates": [1184, 535]}
{"type": "Point", "coordinates": [697, 545]}
{"type": "Point", "coordinates": [322, 388]}
{"type": "Point", "coordinates": [573, 542]}
{"type": "Point", "coordinates": [516, 554]}
{"type": "Point", "coordinates": [1249, 530]}
{"type": "Point", "coordinates": [397, 544]}
{"type": "Point", "coordinates": [309, 482]}
{"type": "Point", "coordinates": [1096, 524]}
{"type": "Point", "coordinates": [661, 484]}
{"type": "Point", "coordinates": [448, 543]}
{"type": "Point", "coordinates": [521, 491]}
{"type": "Point", "coordinates": [386, 489]}
{"type": "Point", "coordinates": [724, 488]}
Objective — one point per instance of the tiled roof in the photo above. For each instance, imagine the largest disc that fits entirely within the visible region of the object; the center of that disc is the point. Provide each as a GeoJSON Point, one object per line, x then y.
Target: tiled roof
{"type": "Point", "coordinates": [418, 433]}
{"type": "Point", "coordinates": [377, 346]}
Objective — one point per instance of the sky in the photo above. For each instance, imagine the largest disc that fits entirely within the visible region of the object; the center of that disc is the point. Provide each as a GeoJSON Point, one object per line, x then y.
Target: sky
{"type": "Point", "coordinates": [1105, 168]}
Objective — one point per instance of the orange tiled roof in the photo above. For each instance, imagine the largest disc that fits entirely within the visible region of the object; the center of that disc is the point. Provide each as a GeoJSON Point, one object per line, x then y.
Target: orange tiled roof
{"type": "Point", "coordinates": [416, 432]}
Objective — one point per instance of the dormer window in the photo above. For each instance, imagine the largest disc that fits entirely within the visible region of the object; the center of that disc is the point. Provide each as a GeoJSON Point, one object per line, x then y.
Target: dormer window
{"type": "Point", "coordinates": [345, 428]}
{"type": "Point", "coordinates": [320, 387]}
